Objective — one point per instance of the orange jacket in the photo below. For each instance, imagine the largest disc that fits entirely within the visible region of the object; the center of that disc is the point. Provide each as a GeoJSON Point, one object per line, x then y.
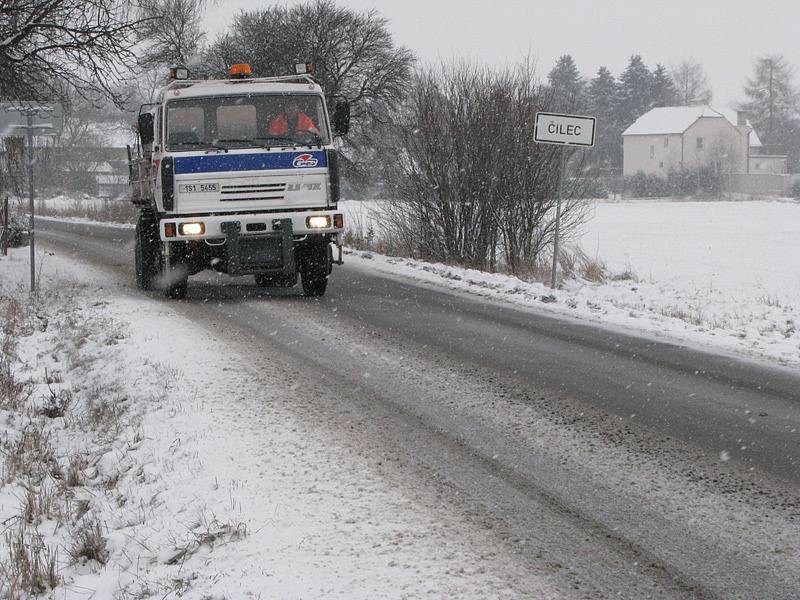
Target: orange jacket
{"type": "Point", "coordinates": [280, 126]}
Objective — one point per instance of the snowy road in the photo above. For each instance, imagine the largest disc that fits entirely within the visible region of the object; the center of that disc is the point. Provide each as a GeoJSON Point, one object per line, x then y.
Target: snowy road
{"type": "Point", "coordinates": [612, 464]}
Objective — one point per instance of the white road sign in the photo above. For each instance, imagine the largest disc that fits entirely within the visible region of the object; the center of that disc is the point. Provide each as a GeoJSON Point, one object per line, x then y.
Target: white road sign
{"type": "Point", "coordinates": [48, 119]}
{"type": "Point", "coordinates": [565, 130]}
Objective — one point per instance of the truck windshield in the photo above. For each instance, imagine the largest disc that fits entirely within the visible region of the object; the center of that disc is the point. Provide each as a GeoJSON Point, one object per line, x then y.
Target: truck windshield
{"type": "Point", "coordinates": [246, 121]}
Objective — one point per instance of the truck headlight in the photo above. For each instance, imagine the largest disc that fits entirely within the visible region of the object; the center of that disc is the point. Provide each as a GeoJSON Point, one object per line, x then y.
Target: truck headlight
{"type": "Point", "coordinates": [319, 222]}
{"type": "Point", "coordinates": [192, 228]}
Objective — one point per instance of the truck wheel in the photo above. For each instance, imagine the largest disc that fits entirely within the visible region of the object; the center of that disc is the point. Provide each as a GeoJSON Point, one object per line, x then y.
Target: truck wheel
{"type": "Point", "coordinates": [314, 269]}
{"type": "Point", "coordinates": [285, 281]}
{"type": "Point", "coordinates": [176, 290]}
{"type": "Point", "coordinates": [176, 279]}
{"type": "Point", "coordinates": [148, 252]}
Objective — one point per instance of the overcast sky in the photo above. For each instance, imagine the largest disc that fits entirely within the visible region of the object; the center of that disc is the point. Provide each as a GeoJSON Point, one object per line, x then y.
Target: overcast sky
{"type": "Point", "coordinates": [724, 35]}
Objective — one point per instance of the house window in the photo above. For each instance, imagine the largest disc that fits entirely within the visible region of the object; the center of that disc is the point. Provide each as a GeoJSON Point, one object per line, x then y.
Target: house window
{"type": "Point", "coordinates": [700, 143]}
{"type": "Point", "coordinates": [666, 141]}
{"type": "Point", "coordinates": [652, 151]}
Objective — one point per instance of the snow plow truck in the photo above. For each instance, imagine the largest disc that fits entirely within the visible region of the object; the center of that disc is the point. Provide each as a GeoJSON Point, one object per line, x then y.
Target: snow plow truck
{"type": "Point", "coordinates": [240, 176]}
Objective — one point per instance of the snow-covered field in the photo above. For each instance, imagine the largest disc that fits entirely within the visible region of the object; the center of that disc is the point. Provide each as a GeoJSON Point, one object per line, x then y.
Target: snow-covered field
{"type": "Point", "coordinates": [746, 249]}
{"type": "Point", "coordinates": [724, 275]}
{"type": "Point", "coordinates": [180, 464]}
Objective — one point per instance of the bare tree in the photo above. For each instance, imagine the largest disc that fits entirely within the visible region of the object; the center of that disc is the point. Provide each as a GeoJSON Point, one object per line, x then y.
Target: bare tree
{"type": "Point", "coordinates": [469, 181]}
{"type": "Point", "coordinates": [173, 31]}
{"type": "Point", "coordinates": [691, 82]}
{"type": "Point", "coordinates": [46, 45]}
{"type": "Point", "coordinates": [353, 53]}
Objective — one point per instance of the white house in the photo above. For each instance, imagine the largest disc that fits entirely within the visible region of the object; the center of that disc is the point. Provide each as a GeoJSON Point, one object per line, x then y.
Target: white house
{"type": "Point", "coordinates": [688, 137]}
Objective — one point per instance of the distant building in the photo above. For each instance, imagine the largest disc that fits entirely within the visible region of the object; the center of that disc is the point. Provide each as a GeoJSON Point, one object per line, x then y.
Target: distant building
{"type": "Point", "coordinates": [95, 162]}
{"type": "Point", "coordinates": [689, 137]}
{"type": "Point", "coordinates": [769, 164]}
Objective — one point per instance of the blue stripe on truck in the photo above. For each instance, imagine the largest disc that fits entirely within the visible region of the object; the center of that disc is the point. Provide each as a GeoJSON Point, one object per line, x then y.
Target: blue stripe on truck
{"type": "Point", "coordinates": [265, 161]}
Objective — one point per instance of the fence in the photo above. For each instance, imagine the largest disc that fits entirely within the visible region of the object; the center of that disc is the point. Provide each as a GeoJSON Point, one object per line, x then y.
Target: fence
{"type": "Point", "coordinates": [759, 184]}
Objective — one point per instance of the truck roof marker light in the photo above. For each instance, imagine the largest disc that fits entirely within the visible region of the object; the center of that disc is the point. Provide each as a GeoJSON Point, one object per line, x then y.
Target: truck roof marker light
{"type": "Point", "coordinates": [304, 68]}
{"type": "Point", "coordinates": [178, 72]}
{"type": "Point", "coordinates": [240, 71]}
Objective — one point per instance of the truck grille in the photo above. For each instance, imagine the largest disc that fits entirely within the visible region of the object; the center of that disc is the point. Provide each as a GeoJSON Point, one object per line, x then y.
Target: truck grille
{"type": "Point", "coordinates": [253, 191]}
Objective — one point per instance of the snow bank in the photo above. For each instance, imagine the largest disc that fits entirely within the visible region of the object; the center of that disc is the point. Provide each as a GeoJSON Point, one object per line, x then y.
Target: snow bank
{"type": "Point", "coordinates": [210, 487]}
{"type": "Point", "coordinates": [709, 318]}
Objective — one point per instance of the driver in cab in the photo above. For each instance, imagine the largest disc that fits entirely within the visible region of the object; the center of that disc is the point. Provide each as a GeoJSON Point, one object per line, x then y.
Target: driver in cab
{"type": "Point", "coordinates": [289, 120]}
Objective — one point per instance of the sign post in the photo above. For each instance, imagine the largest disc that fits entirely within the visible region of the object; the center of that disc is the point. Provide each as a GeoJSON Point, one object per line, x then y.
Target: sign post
{"type": "Point", "coordinates": [39, 119]}
{"type": "Point", "coordinates": [562, 130]}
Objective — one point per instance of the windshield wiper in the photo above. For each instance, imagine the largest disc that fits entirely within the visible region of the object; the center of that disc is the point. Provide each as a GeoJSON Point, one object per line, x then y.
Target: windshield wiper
{"type": "Point", "coordinates": [195, 143]}
{"type": "Point", "coordinates": [277, 138]}
{"type": "Point", "coordinates": [317, 139]}
{"type": "Point", "coordinates": [259, 142]}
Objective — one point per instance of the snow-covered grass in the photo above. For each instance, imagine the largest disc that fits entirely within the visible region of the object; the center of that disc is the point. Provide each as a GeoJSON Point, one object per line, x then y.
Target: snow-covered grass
{"type": "Point", "coordinates": [723, 275]}
{"type": "Point", "coordinates": [155, 460]}
{"type": "Point", "coordinates": [84, 207]}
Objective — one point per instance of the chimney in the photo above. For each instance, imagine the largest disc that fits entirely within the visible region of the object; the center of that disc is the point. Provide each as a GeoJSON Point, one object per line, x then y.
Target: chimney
{"type": "Point", "coordinates": [741, 118]}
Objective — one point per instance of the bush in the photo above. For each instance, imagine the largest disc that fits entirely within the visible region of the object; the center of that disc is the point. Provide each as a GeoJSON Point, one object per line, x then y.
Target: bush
{"type": "Point", "coordinates": [689, 182]}
{"type": "Point", "coordinates": [646, 186]}
{"type": "Point", "coordinates": [684, 182]}
{"type": "Point", "coordinates": [591, 187]}
{"type": "Point", "coordinates": [19, 232]}
{"type": "Point", "coordinates": [470, 187]}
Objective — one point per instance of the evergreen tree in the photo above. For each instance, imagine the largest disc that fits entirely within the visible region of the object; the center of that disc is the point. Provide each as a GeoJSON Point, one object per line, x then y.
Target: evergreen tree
{"type": "Point", "coordinates": [635, 92]}
{"type": "Point", "coordinates": [601, 100]}
{"type": "Point", "coordinates": [567, 88]}
{"type": "Point", "coordinates": [663, 91]}
{"type": "Point", "coordinates": [772, 105]}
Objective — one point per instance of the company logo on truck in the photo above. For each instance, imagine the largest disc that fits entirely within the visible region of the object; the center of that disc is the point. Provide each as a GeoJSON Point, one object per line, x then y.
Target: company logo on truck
{"type": "Point", "coordinates": [305, 161]}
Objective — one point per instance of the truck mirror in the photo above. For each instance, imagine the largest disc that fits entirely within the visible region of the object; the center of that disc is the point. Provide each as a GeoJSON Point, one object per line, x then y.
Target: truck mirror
{"type": "Point", "coordinates": [146, 130]}
{"type": "Point", "coordinates": [341, 117]}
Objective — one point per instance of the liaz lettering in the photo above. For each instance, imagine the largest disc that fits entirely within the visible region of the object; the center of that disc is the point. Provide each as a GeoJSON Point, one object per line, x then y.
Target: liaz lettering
{"type": "Point", "coordinates": [304, 187]}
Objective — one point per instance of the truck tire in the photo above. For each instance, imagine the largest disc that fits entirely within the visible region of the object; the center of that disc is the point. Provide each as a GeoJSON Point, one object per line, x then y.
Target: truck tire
{"type": "Point", "coordinates": [175, 280]}
{"type": "Point", "coordinates": [176, 289]}
{"type": "Point", "coordinates": [148, 251]}
{"type": "Point", "coordinates": [314, 269]}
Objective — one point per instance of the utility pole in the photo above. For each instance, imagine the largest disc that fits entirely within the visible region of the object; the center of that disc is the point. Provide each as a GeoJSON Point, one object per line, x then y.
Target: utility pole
{"type": "Point", "coordinates": [33, 124]}
{"type": "Point", "coordinates": [6, 235]}
{"type": "Point", "coordinates": [29, 156]}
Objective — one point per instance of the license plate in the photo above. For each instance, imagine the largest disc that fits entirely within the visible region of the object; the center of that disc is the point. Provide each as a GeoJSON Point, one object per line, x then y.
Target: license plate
{"type": "Point", "coordinates": [197, 188]}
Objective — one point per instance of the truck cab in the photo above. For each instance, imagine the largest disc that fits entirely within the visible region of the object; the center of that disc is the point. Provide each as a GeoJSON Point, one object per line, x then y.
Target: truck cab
{"type": "Point", "coordinates": [240, 176]}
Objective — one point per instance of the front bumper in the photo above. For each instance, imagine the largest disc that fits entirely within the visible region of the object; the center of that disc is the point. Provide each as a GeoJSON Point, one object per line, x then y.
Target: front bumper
{"type": "Point", "coordinates": [250, 224]}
